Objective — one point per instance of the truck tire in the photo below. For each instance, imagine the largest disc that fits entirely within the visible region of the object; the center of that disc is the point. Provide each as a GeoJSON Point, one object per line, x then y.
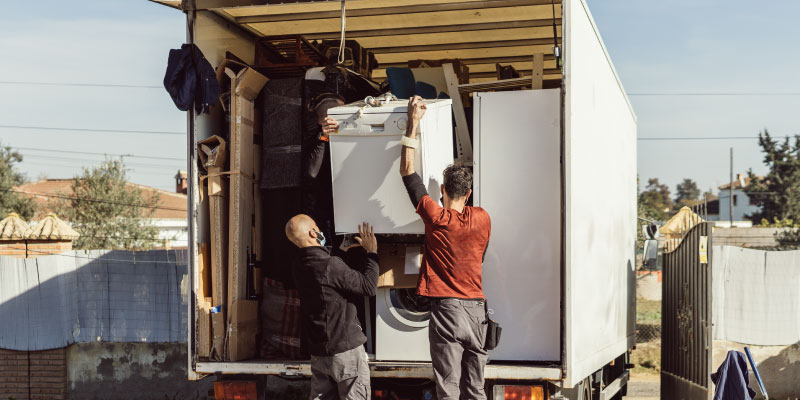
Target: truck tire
{"type": "Point", "coordinates": [585, 390]}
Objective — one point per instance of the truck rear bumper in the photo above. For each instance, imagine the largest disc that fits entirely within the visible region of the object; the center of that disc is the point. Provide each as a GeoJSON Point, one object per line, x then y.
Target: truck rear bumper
{"type": "Point", "coordinates": [378, 369]}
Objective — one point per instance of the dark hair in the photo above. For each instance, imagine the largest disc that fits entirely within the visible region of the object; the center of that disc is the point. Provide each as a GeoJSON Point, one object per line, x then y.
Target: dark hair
{"type": "Point", "coordinates": [457, 180]}
{"type": "Point", "coordinates": [326, 100]}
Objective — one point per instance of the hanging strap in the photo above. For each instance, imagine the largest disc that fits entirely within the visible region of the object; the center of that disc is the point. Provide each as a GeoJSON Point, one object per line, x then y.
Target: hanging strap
{"type": "Point", "coordinates": [556, 49]}
{"type": "Point", "coordinates": [341, 35]}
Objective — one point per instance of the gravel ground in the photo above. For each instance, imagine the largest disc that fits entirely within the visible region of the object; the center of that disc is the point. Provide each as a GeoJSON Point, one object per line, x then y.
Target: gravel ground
{"type": "Point", "coordinates": [643, 387]}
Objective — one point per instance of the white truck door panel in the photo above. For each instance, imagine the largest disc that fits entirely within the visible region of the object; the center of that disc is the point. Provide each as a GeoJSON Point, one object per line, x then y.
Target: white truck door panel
{"type": "Point", "coordinates": [518, 181]}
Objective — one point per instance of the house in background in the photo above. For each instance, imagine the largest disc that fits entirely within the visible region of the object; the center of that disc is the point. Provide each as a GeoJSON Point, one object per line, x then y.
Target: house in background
{"type": "Point", "coordinates": [181, 182]}
{"type": "Point", "coordinates": [741, 205]}
{"type": "Point", "coordinates": [170, 217]}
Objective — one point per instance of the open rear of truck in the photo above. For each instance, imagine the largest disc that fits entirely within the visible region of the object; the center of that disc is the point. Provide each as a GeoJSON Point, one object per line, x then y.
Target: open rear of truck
{"type": "Point", "coordinates": [578, 290]}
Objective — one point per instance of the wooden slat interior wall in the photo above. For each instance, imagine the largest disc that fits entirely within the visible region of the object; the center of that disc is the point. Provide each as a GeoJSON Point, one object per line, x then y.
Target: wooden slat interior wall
{"type": "Point", "coordinates": [480, 32]}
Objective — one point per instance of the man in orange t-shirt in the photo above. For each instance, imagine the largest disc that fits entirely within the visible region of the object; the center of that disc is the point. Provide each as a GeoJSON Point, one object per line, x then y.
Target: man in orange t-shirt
{"type": "Point", "coordinates": [456, 237]}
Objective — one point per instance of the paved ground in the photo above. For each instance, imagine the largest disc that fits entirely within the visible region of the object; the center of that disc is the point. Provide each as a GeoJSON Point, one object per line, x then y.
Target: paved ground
{"type": "Point", "coordinates": [643, 387]}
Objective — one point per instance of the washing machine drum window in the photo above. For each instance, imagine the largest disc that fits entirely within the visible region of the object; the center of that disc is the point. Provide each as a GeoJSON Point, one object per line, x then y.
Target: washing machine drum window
{"type": "Point", "coordinates": [410, 306]}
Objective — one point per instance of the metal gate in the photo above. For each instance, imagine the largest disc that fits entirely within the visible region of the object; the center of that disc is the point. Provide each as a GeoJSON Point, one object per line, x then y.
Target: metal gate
{"type": "Point", "coordinates": [686, 315]}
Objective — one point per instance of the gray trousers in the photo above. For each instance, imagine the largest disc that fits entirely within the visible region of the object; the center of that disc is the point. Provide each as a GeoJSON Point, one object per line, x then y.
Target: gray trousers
{"type": "Point", "coordinates": [457, 333]}
{"type": "Point", "coordinates": [343, 376]}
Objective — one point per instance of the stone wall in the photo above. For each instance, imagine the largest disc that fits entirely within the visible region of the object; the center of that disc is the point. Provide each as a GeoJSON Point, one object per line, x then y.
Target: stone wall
{"type": "Point", "coordinates": [122, 371]}
{"type": "Point", "coordinates": [746, 237]}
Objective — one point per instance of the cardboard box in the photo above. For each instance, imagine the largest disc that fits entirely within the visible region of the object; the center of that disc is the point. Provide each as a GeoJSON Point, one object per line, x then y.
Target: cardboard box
{"type": "Point", "coordinates": [218, 336]}
{"type": "Point", "coordinates": [213, 153]}
{"type": "Point", "coordinates": [399, 265]}
{"type": "Point", "coordinates": [242, 330]}
{"type": "Point", "coordinates": [205, 271]}
{"type": "Point", "coordinates": [204, 335]}
{"type": "Point", "coordinates": [245, 85]}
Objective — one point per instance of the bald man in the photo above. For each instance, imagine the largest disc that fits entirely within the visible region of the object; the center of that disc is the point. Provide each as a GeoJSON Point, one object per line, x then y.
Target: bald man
{"type": "Point", "coordinates": [327, 287]}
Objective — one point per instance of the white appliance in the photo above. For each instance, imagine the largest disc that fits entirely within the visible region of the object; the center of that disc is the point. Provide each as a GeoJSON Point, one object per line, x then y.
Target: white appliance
{"type": "Point", "coordinates": [517, 140]}
{"type": "Point", "coordinates": [365, 164]}
{"type": "Point", "coordinates": [401, 326]}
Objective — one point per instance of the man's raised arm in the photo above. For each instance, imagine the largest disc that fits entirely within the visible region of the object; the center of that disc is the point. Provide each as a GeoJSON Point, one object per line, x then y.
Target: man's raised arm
{"type": "Point", "coordinates": [412, 180]}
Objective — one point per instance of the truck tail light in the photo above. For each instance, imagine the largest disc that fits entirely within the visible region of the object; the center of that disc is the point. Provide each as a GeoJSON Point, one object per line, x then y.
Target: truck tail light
{"type": "Point", "coordinates": [235, 390]}
{"type": "Point", "coordinates": [507, 392]}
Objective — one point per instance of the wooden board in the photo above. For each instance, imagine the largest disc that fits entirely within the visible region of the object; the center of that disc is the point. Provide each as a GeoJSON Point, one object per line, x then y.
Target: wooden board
{"type": "Point", "coordinates": [515, 83]}
{"type": "Point", "coordinates": [441, 18]}
{"type": "Point", "coordinates": [463, 143]}
{"type": "Point", "coordinates": [537, 71]}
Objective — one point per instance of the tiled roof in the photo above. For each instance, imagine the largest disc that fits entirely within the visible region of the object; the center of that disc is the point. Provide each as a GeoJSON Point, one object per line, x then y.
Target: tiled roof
{"type": "Point", "coordinates": [171, 205]}
{"type": "Point", "coordinates": [53, 228]}
{"type": "Point", "coordinates": [736, 184]}
{"type": "Point", "coordinates": [13, 227]}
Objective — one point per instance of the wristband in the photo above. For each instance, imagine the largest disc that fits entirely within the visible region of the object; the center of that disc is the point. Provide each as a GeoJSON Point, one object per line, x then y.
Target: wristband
{"type": "Point", "coordinates": [409, 142]}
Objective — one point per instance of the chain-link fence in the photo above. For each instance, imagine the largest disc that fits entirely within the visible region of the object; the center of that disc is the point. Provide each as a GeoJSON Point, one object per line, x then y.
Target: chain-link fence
{"type": "Point", "coordinates": [648, 320]}
{"type": "Point", "coordinates": [647, 355]}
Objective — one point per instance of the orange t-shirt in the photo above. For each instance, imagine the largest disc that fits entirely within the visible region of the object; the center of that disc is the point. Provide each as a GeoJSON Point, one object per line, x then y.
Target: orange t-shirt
{"type": "Point", "coordinates": [454, 247]}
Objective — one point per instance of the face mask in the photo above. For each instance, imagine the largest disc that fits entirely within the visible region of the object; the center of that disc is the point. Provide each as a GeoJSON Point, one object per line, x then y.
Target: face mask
{"type": "Point", "coordinates": [320, 238]}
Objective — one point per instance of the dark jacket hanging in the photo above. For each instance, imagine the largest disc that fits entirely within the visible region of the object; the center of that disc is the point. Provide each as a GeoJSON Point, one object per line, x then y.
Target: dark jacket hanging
{"type": "Point", "coordinates": [191, 79]}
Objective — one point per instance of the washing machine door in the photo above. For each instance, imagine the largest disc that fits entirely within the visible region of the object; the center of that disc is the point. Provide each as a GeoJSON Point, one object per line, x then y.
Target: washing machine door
{"type": "Point", "coordinates": [408, 308]}
{"type": "Point", "coordinates": [402, 325]}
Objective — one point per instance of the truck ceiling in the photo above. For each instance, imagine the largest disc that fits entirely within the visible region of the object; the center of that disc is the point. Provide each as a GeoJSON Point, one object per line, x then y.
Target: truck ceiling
{"type": "Point", "coordinates": [479, 32]}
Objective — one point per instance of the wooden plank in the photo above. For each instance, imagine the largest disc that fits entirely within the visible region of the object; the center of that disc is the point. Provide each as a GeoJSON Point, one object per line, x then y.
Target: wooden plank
{"type": "Point", "coordinates": [422, 20]}
{"type": "Point", "coordinates": [219, 4]}
{"type": "Point", "coordinates": [490, 70]}
{"type": "Point", "coordinates": [481, 60]}
{"type": "Point", "coordinates": [391, 10]}
{"type": "Point", "coordinates": [550, 81]}
{"type": "Point", "coordinates": [487, 52]}
{"type": "Point", "coordinates": [425, 30]}
{"type": "Point", "coordinates": [484, 35]}
{"type": "Point", "coordinates": [522, 82]}
{"type": "Point", "coordinates": [463, 143]}
{"type": "Point", "coordinates": [456, 46]}
{"type": "Point", "coordinates": [523, 73]}
{"type": "Point", "coordinates": [317, 6]}
{"type": "Point", "coordinates": [537, 71]}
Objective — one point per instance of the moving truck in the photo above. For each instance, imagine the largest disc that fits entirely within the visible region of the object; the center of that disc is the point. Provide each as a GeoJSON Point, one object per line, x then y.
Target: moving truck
{"type": "Point", "coordinates": [554, 164]}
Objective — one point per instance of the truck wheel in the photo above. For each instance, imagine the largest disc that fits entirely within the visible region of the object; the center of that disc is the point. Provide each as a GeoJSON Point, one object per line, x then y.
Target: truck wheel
{"type": "Point", "coordinates": [585, 389]}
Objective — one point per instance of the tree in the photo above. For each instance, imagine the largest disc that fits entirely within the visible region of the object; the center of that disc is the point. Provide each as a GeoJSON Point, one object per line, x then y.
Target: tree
{"type": "Point", "coordinates": [655, 200]}
{"type": "Point", "coordinates": [778, 193]}
{"type": "Point", "coordinates": [11, 201]}
{"type": "Point", "coordinates": [687, 194]}
{"type": "Point", "coordinates": [108, 212]}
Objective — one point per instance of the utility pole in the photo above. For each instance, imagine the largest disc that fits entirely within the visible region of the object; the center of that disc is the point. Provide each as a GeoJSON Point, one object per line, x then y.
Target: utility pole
{"type": "Point", "coordinates": [731, 189]}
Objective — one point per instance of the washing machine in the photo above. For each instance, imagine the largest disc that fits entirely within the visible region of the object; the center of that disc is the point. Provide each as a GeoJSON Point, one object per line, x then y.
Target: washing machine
{"type": "Point", "coordinates": [401, 326]}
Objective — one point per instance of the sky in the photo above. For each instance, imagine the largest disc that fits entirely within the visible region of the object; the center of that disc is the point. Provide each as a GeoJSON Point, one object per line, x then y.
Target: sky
{"type": "Point", "coordinates": [658, 47]}
{"type": "Point", "coordinates": [106, 42]}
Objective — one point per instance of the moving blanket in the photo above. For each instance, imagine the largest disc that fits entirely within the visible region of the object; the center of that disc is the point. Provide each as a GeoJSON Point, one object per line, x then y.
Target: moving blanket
{"type": "Point", "coordinates": [282, 109]}
{"type": "Point", "coordinates": [93, 296]}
